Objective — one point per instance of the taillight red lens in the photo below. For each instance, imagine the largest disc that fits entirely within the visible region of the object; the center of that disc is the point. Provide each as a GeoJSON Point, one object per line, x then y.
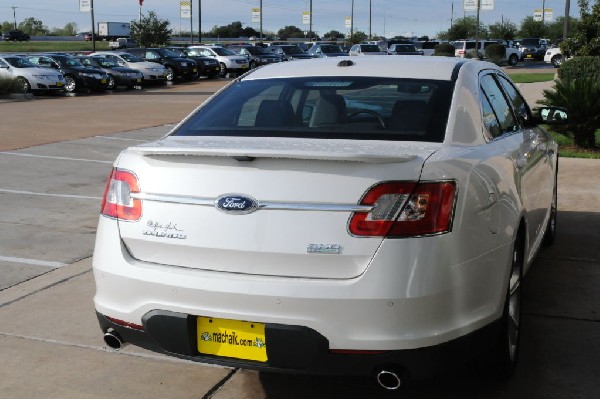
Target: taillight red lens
{"type": "Point", "coordinates": [405, 209]}
{"type": "Point", "coordinates": [117, 201]}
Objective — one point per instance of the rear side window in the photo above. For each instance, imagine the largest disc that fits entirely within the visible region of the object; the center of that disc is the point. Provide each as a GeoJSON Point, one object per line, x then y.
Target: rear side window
{"type": "Point", "coordinates": [327, 107]}
{"type": "Point", "coordinates": [495, 104]}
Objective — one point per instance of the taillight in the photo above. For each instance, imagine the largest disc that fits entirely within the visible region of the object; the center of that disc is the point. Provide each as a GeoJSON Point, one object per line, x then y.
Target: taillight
{"type": "Point", "coordinates": [405, 209]}
{"type": "Point", "coordinates": [462, 52]}
{"type": "Point", "coordinates": [117, 202]}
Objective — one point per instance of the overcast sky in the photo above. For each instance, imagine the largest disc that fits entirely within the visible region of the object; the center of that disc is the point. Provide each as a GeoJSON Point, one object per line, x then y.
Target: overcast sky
{"type": "Point", "coordinates": [389, 17]}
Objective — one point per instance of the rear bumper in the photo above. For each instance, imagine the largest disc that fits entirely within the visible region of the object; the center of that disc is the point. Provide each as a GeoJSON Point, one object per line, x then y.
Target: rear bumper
{"type": "Point", "coordinates": [174, 334]}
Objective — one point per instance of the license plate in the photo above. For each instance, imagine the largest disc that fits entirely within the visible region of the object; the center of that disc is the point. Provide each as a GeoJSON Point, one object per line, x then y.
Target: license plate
{"type": "Point", "coordinates": [529, 56]}
{"type": "Point", "coordinates": [244, 66]}
{"type": "Point", "coordinates": [59, 84]}
{"type": "Point", "coordinates": [139, 79]}
{"type": "Point", "coordinates": [194, 70]}
{"type": "Point", "coordinates": [103, 80]}
{"type": "Point", "coordinates": [232, 338]}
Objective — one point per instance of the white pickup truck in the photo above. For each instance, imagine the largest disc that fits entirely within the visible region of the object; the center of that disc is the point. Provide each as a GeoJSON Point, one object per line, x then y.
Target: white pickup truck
{"type": "Point", "coordinates": [462, 47]}
{"type": "Point", "coordinates": [122, 42]}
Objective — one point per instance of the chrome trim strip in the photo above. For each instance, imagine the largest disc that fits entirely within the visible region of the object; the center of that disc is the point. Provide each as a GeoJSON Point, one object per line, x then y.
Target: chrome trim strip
{"type": "Point", "coordinates": [266, 205]}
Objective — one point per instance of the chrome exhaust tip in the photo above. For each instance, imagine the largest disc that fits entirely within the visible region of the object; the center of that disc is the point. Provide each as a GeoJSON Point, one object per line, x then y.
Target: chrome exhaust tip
{"type": "Point", "coordinates": [389, 379]}
{"type": "Point", "coordinates": [113, 340]}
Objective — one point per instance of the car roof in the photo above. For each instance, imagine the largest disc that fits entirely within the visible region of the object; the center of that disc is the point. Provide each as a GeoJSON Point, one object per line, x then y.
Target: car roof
{"type": "Point", "coordinates": [416, 67]}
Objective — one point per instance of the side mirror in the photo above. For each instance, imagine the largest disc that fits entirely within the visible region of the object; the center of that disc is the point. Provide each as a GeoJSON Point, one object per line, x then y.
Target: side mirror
{"type": "Point", "coordinates": [3, 66]}
{"type": "Point", "coordinates": [551, 115]}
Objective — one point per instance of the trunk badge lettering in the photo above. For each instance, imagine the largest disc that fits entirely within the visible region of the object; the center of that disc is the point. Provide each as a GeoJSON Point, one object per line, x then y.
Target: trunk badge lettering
{"type": "Point", "coordinates": [236, 204]}
{"type": "Point", "coordinates": [335, 249]}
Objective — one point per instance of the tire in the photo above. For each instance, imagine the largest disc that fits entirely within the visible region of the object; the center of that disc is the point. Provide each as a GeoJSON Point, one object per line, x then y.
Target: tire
{"type": "Point", "coordinates": [501, 361]}
{"type": "Point", "coordinates": [253, 64]}
{"type": "Point", "coordinates": [223, 71]}
{"type": "Point", "coordinates": [513, 59]}
{"type": "Point", "coordinates": [23, 85]}
{"type": "Point", "coordinates": [557, 61]}
{"type": "Point", "coordinates": [170, 74]}
{"type": "Point", "coordinates": [550, 233]}
{"type": "Point", "coordinates": [70, 84]}
{"type": "Point", "coordinates": [111, 83]}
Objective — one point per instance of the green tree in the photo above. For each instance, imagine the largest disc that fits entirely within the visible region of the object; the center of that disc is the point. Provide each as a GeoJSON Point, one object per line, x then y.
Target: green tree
{"type": "Point", "coordinates": [6, 26]}
{"type": "Point", "coordinates": [531, 28]}
{"type": "Point", "coordinates": [333, 35]}
{"type": "Point", "coordinates": [69, 29]}
{"type": "Point", "coordinates": [554, 30]}
{"type": "Point", "coordinates": [358, 37]}
{"type": "Point", "coordinates": [151, 31]}
{"type": "Point", "coordinates": [505, 30]}
{"type": "Point", "coordinates": [33, 27]}
{"type": "Point", "coordinates": [465, 28]}
{"type": "Point", "coordinates": [585, 39]}
{"type": "Point", "coordinates": [290, 31]}
{"type": "Point", "coordinates": [234, 29]}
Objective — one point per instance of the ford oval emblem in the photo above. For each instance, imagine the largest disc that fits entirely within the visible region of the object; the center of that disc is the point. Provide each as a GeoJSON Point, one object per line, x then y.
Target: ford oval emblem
{"type": "Point", "coordinates": [236, 204]}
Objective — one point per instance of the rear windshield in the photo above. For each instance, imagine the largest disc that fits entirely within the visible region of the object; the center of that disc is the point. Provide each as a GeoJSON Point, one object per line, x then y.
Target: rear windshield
{"type": "Point", "coordinates": [359, 108]}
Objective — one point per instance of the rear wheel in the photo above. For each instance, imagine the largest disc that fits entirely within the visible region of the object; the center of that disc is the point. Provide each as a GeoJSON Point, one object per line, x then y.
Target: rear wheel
{"type": "Point", "coordinates": [22, 85]}
{"type": "Point", "coordinates": [503, 357]}
{"type": "Point", "coordinates": [170, 74]}
{"type": "Point", "coordinates": [550, 234]}
{"type": "Point", "coordinates": [111, 82]}
{"type": "Point", "coordinates": [70, 84]}
{"type": "Point", "coordinates": [223, 71]}
{"type": "Point", "coordinates": [557, 61]}
{"type": "Point", "coordinates": [513, 59]}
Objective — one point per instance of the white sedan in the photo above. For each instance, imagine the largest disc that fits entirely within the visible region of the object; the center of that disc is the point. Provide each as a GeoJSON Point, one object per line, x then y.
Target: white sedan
{"type": "Point", "coordinates": [354, 216]}
{"type": "Point", "coordinates": [29, 77]}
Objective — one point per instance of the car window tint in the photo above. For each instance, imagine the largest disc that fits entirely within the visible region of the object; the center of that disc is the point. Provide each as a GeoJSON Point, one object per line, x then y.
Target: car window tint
{"type": "Point", "coordinates": [517, 100]}
{"type": "Point", "coordinates": [327, 107]}
{"type": "Point", "coordinates": [490, 121]}
{"type": "Point", "coordinates": [499, 104]}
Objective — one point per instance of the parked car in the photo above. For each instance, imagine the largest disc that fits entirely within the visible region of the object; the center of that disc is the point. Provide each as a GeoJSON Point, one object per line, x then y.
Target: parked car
{"type": "Point", "coordinates": [314, 217]}
{"type": "Point", "coordinates": [117, 75]}
{"type": "Point", "coordinates": [29, 77]}
{"type": "Point", "coordinates": [178, 68]}
{"type": "Point", "coordinates": [533, 48]}
{"type": "Point", "coordinates": [288, 52]}
{"type": "Point", "coordinates": [325, 50]}
{"type": "Point", "coordinates": [228, 60]}
{"type": "Point", "coordinates": [257, 56]}
{"type": "Point", "coordinates": [365, 49]}
{"type": "Point", "coordinates": [427, 47]}
{"type": "Point", "coordinates": [123, 42]}
{"type": "Point", "coordinates": [404, 49]}
{"type": "Point", "coordinates": [15, 36]}
{"type": "Point", "coordinates": [77, 77]}
{"type": "Point", "coordinates": [207, 66]}
{"type": "Point", "coordinates": [153, 72]}
{"type": "Point", "coordinates": [464, 47]}
{"type": "Point", "coordinates": [554, 56]}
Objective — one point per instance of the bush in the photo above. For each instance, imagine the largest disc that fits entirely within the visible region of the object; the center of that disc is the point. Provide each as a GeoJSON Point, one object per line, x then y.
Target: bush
{"type": "Point", "coordinates": [444, 50]}
{"type": "Point", "coordinates": [581, 97]}
{"type": "Point", "coordinates": [579, 67]}
{"type": "Point", "coordinates": [495, 53]}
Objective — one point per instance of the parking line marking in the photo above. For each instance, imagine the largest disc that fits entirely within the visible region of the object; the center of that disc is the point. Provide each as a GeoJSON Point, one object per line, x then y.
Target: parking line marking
{"type": "Point", "coordinates": [120, 138]}
{"type": "Point", "coordinates": [33, 262]}
{"type": "Point", "coordinates": [2, 190]}
{"type": "Point", "coordinates": [20, 154]}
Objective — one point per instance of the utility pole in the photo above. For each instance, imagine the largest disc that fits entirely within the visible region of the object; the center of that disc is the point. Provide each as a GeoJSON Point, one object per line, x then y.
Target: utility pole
{"type": "Point", "coordinates": [477, 30]}
{"type": "Point", "coordinates": [191, 23]}
{"type": "Point", "coordinates": [451, 15]}
{"type": "Point", "coordinates": [15, 15]}
{"type": "Point", "coordinates": [566, 23]}
{"type": "Point", "coordinates": [543, 11]}
{"type": "Point", "coordinates": [93, 25]}
{"type": "Point", "coordinates": [261, 18]}
{"type": "Point", "coordinates": [310, 32]}
{"type": "Point", "coordinates": [370, 19]}
{"type": "Point", "coordinates": [352, 23]}
{"type": "Point", "coordinates": [199, 21]}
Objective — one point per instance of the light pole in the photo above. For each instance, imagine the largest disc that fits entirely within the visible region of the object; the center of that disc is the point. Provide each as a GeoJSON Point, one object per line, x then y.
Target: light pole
{"type": "Point", "coordinates": [352, 24]}
{"type": "Point", "coordinates": [370, 19]}
{"type": "Point", "coordinates": [15, 15]}
{"type": "Point", "coordinates": [199, 21]}
{"type": "Point", "coordinates": [566, 23]}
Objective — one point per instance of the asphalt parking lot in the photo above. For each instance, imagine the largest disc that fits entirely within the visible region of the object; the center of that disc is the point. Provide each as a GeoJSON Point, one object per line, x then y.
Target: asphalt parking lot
{"type": "Point", "coordinates": [55, 156]}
